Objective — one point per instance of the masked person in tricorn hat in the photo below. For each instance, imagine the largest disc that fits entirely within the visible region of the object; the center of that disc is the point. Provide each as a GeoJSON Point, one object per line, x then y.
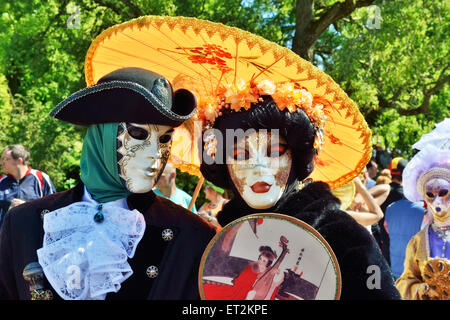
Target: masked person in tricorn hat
{"type": "Point", "coordinates": [110, 237]}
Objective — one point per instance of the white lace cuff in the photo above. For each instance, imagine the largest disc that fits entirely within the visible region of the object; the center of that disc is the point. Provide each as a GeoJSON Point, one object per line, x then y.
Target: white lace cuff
{"type": "Point", "coordinates": [85, 257]}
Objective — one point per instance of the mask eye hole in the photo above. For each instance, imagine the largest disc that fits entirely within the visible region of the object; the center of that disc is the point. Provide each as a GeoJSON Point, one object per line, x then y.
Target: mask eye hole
{"type": "Point", "coordinates": [276, 150]}
{"type": "Point", "coordinates": [137, 132]}
{"type": "Point", "coordinates": [241, 154]}
{"type": "Point", "coordinates": [165, 138]}
{"type": "Point", "coordinates": [443, 193]}
{"type": "Point", "coordinates": [430, 195]}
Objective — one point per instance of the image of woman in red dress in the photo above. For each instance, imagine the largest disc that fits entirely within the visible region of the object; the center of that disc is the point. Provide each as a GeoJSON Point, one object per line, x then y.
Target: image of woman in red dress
{"type": "Point", "coordinates": [243, 285]}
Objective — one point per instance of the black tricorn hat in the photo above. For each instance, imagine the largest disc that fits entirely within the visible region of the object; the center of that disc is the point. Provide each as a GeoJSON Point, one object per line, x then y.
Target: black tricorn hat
{"type": "Point", "coordinates": [128, 95]}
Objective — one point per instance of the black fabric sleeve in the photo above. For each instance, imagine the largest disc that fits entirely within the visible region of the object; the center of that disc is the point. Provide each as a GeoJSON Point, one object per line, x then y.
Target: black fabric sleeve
{"type": "Point", "coordinates": [7, 281]}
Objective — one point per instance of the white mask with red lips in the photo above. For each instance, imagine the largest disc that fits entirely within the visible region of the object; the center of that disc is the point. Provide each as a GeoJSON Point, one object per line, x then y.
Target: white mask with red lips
{"type": "Point", "coordinates": [259, 168]}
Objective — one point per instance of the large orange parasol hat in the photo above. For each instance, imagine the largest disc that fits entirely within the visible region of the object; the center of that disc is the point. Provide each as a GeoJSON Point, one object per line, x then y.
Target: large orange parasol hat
{"type": "Point", "coordinates": [209, 57]}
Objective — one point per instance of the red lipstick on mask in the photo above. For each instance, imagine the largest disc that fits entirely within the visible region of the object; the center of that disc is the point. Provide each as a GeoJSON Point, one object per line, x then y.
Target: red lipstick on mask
{"type": "Point", "coordinates": [261, 187]}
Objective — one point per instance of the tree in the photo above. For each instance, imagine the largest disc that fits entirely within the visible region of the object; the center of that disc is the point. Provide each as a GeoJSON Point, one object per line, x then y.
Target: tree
{"type": "Point", "coordinates": [397, 73]}
{"type": "Point", "coordinates": [394, 68]}
{"type": "Point", "coordinates": [41, 62]}
{"type": "Point", "coordinates": [314, 17]}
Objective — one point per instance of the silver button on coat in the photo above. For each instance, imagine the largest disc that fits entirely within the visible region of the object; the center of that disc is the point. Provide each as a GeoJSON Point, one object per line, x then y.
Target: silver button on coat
{"type": "Point", "coordinates": [167, 234]}
{"type": "Point", "coordinates": [152, 272]}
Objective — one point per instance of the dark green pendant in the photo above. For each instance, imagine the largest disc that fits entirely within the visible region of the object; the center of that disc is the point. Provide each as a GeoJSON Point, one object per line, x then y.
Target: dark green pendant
{"type": "Point", "coordinates": [99, 215]}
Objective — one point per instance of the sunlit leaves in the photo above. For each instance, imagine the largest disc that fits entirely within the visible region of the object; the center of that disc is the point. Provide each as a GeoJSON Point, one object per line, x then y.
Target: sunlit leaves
{"type": "Point", "coordinates": [385, 70]}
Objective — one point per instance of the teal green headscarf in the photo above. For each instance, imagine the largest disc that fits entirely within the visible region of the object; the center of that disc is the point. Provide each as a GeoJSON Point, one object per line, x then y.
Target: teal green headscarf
{"type": "Point", "coordinates": [99, 171]}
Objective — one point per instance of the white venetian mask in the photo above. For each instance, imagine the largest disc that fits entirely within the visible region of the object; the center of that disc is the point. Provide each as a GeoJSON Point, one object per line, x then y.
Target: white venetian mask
{"type": "Point", "coordinates": [259, 168]}
{"type": "Point", "coordinates": [145, 149]}
{"type": "Point", "coordinates": [436, 197]}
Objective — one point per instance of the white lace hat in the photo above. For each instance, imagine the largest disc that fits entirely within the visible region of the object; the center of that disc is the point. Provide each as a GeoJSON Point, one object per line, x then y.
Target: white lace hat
{"type": "Point", "coordinates": [432, 161]}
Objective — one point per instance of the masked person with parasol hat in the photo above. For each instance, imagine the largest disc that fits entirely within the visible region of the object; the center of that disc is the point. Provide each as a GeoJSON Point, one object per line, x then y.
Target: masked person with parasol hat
{"type": "Point", "coordinates": [268, 171]}
{"type": "Point", "coordinates": [110, 237]}
{"type": "Point", "coordinates": [267, 124]}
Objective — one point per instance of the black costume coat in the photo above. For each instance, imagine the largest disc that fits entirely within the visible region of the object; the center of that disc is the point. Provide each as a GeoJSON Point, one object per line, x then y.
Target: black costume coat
{"type": "Point", "coordinates": [354, 247]}
{"type": "Point", "coordinates": [177, 260]}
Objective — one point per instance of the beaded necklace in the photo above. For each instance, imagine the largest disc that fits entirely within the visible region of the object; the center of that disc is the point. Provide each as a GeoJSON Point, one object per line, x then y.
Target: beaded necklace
{"type": "Point", "coordinates": [444, 234]}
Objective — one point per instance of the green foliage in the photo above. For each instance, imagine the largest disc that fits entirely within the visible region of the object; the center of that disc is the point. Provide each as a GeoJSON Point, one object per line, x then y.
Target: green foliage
{"type": "Point", "coordinates": [188, 183]}
{"type": "Point", "coordinates": [384, 70]}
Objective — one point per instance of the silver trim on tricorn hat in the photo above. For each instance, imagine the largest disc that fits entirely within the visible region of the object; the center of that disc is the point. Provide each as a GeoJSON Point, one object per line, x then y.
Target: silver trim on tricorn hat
{"type": "Point", "coordinates": [128, 95]}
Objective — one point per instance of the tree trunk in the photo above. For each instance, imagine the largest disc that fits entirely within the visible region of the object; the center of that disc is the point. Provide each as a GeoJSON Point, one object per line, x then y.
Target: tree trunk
{"type": "Point", "coordinates": [309, 27]}
{"type": "Point", "coordinates": [303, 42]}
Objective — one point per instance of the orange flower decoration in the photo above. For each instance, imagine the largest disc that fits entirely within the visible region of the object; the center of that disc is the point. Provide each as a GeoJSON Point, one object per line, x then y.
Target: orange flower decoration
{"type": "Point", "coordinates": [266, 87]}
{"type": "Point", "coordinates": [210, 111]}
{"type": "Point", "coordinates": [240, 95]}
{"type": "Point", "coordinates": [286, 95]}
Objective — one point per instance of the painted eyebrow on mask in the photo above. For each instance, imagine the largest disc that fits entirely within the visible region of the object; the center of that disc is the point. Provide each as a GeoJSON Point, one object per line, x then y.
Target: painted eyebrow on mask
{"type": "Point", "coordinates": [170, 130]}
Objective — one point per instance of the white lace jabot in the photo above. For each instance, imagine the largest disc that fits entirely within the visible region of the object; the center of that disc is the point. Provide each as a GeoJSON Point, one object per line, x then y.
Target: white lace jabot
{"type": "Point", "coordinates": [86, 247]}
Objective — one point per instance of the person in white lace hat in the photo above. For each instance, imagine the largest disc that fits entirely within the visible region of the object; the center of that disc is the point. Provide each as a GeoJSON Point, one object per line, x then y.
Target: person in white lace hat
{"type": "Point", "coordinates": [426, 274]}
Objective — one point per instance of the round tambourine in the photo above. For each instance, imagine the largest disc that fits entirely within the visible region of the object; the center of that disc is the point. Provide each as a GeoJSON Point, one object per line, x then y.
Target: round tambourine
{"type": "Point", "coordinates": [269, 256]}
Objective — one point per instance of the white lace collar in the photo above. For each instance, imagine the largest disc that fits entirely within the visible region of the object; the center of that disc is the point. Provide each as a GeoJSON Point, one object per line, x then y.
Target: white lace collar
{"type": "Point", "coordinates": [86, 247]}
